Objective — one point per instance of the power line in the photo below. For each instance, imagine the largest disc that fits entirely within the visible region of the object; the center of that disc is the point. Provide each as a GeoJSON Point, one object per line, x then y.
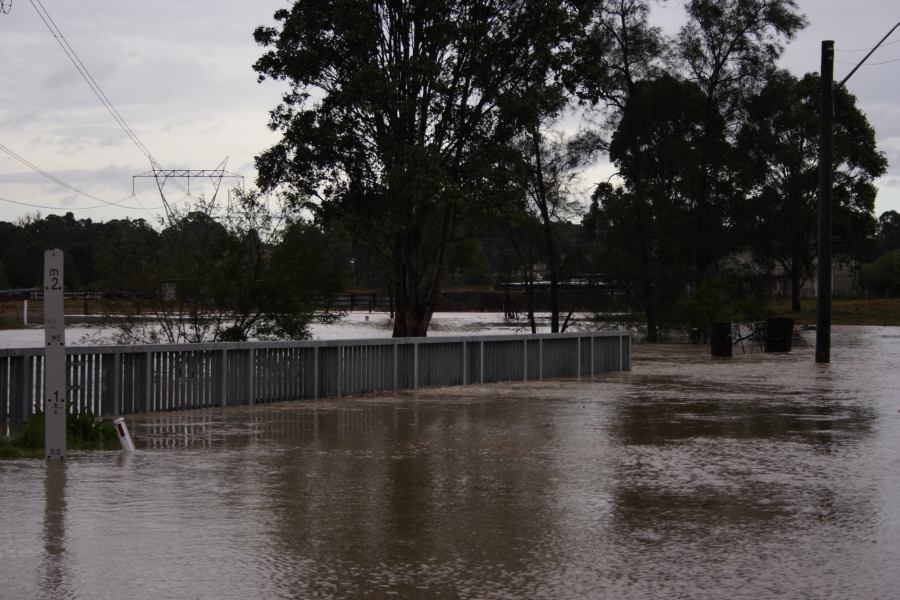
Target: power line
{"type": "Point", "coordinates": [866, 49]}
{"type": "Point", "coordinates": [95, 87]}
{"type": "Point", "coordinates": [88, 78]}
{"type": "Point", "coordinates": [118, 204]}
{"type": "Point", "coordinates": [871, 64]}
{"type": "Point", "coordinates": [54, 178]}
{"type": "Point", "coordinates": [126, 61]}
{"type": "Point", "coordinates": [865, 58]}
{"type": "Point", "coordinates": [71, 188]}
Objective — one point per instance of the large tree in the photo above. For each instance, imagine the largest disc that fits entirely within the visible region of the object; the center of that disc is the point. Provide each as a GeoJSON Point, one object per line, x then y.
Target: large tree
{"type": "Point", "coordinates": [644, 225]}
{"type": "Point", "coordinates": [729, 49]}
{"type": "Point", "coordinates": [779, 146]}
{"type": "Point", "coordinates": [399, 118]}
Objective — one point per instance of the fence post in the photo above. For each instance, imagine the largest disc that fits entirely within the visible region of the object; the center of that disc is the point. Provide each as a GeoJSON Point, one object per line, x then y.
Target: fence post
{"type": "Point", "coordinates": [4, 390]}
{"type": "Point", "coordinates": [340, 364]}
{"type": "Point", "coordinates": [541, 359]}
{"type": "Point", "coordinates": [621, 351]}
{"type": "Point", "coordinates": [525, 359]}
{"type": "Point", "coordinates": [223, 376]}
{"type": "Point", "coordinates": [481, 357]}
{"type": "Point", "coordinates": [316, 373]}
{"type": "Point", "coordinates": [464, 362]}
{"type": "Point", "coordinates": [395, 366]}
{"type": "Point", "coordinates": [147, 383]}
{"type": "Point", "coordinates": [592, 340]}
{"type": "Point", "coordinates": [415, 365]}
{"type": "Point", "coordinates": [578, 360]}
{"type": "Point", "coordinates": [251, 376]}
{"type": "Point", "coordinates": [20, 388]}
{"type": "Point", "coordinates": [110, 363]}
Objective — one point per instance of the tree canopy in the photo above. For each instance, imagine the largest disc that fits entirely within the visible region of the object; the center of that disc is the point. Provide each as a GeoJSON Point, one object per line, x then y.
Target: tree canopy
{"type": "Point", "coordinates": [399, 118]}
{"type": "Point", "coordinates": [779, 150]}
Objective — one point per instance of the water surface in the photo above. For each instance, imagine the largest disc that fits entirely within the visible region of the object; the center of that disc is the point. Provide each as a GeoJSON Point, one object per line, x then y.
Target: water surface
{"type": "Point", "coordinates": [763, 476]}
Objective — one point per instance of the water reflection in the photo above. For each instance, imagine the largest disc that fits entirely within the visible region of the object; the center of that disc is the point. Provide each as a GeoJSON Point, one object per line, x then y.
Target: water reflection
{"type": "Point", "coordinates": [763, 476]}
{"type": "Point", "coordinates": [55, 575]}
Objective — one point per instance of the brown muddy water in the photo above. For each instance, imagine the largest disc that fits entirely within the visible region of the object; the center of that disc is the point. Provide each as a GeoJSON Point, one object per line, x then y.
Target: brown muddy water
{"type": "Point", "coordinates": [763, 476]}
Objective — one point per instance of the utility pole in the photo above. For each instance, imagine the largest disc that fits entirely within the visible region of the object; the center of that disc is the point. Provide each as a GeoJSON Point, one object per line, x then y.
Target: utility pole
{"type": "Point", "coordinates": [826, 174]}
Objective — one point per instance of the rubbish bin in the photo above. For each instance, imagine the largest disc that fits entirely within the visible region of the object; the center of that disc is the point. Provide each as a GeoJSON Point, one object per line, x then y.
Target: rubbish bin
{"type": "Point", "coordinates": [779, 334]}
{"type": "Point", "coordinates": [720, 340]}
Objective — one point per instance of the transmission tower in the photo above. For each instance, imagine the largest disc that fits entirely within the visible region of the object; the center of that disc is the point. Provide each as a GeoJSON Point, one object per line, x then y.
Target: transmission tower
{"type": "Point", "coordinates": [5, 6]}
{"type": "Point", "coordinates": [161, 176]}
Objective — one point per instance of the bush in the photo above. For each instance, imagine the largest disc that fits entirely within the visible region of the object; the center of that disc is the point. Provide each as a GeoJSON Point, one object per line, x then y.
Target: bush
{"type": "Point", "coordinates": [83, 432]}
{"type": "Point", "coordinates": [882, 277]}
{"type": "Point", "coordinates": [718, 300]}
{"type": "Point", "coordinates": [8, 450]}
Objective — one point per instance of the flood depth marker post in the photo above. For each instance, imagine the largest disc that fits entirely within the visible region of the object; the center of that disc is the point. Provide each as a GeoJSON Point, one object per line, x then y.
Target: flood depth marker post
{"type": "Point", "coordinates": [54, 358]}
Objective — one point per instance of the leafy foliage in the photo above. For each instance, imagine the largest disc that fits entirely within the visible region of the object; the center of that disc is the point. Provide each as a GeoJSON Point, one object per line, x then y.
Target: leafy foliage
{"type": "Point", "coordinates": [83, 432]}
{"type": "Point", "coordinates": [779, 150]}
{"type": "Point", "coordinates": [882, 277]}
{"type": "Point", "coordinates": [399, 118]}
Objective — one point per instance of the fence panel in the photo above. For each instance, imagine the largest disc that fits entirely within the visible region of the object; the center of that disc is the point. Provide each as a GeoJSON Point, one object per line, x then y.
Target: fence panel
{"type": "Point", "coordinates": [113, 380]}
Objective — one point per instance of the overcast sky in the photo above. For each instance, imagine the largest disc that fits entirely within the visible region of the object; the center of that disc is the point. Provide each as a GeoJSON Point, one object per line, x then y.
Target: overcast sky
{"type": "Point", "coordinates": [180, 73]}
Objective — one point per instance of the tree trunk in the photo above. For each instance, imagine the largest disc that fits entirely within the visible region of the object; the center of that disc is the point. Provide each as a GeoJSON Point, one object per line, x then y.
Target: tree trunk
{"type": "Point", "coordinates": [418, 282]}
{"type": "Point", "coordinates": [547, 226]}
{"type": "Point", "coordinates": [652, 327]}
{"type": "Point", "coordinates": [648, 292]}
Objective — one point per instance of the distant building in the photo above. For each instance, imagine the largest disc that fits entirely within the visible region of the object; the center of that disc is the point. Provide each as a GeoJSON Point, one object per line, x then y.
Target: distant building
{"type": "Point", "coordinates": [776, 282]}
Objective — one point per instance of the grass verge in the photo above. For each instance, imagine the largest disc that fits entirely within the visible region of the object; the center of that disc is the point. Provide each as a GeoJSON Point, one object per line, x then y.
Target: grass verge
{"type": "Point", "coordinates": [878, 311]}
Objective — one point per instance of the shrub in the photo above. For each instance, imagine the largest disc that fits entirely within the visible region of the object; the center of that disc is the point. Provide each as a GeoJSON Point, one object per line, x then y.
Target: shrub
{"type": "Point", "coordinates": [83, 432]}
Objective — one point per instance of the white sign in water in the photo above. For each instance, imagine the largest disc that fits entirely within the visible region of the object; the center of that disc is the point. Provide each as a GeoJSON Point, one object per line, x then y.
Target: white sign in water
{"type": "Point", "coordinates": [54, 357]}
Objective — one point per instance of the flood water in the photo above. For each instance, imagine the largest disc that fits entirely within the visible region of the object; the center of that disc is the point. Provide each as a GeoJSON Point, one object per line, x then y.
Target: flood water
{"type": "Point", "coordinates": [763, 476]}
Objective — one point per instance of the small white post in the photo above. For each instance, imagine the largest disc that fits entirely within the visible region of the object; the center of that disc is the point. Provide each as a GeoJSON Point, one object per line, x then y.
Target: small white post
{"type": "Point", "coordinates": [25, 312]}
{"type": "Point", "coordinates": [124, 436]}
{"type": "Point", "coordinates": [54, 357]}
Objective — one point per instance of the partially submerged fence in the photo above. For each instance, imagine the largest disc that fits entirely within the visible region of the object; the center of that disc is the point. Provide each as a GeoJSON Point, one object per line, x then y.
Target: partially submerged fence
{"type": "Point", "coordinates": [114, 380]}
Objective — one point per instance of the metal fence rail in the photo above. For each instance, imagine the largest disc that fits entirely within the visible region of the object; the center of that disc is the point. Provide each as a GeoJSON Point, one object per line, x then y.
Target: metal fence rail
{"type": "Point", "coordinates": [115, 380]}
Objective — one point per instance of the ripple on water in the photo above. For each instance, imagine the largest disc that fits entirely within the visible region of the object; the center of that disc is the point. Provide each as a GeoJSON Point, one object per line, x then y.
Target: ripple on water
{"type": "Point", "coordinates": [759, 477]}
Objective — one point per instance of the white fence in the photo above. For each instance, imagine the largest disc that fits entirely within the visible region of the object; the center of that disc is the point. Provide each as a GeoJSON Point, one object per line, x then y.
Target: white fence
{"type": "Point", "coordinates": [114, 380]}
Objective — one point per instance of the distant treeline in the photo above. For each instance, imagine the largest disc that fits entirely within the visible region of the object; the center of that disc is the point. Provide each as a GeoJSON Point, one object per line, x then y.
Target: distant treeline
{"type": "Point", "coordinates": [131, 255]}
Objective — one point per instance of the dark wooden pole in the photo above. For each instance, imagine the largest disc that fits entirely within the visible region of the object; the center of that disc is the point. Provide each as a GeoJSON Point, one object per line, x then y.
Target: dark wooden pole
{"type": "Point", "coordinates": [826, 175]}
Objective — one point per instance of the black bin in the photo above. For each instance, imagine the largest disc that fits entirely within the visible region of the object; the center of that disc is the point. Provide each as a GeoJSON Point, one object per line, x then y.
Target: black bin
{"type": "Point", "coordinates": [720, 340]}
{"type": "Point", "coordinates": [779, 334]}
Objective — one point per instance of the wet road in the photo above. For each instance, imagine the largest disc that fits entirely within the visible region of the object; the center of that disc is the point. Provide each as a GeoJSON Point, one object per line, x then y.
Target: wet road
{"type": "Point", "coordinates": [764, 476]}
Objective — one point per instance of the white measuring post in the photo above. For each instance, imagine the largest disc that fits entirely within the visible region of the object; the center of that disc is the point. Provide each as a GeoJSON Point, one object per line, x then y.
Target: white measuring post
{"type": "Point", "coordinates": [54, 357]}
